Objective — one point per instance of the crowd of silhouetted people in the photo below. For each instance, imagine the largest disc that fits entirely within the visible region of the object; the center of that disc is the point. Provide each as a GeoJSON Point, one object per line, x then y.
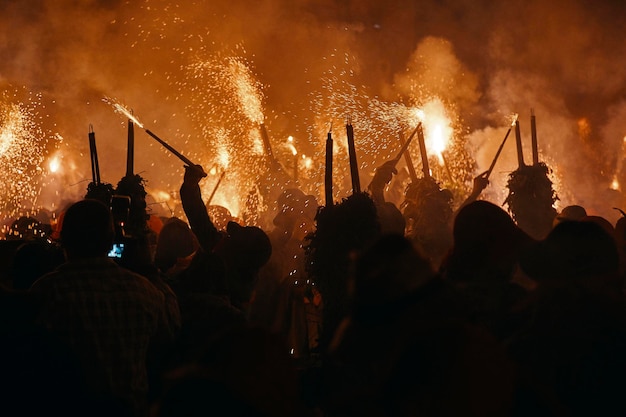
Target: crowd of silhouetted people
{"type": "Point", "coordinates": [332, 311]}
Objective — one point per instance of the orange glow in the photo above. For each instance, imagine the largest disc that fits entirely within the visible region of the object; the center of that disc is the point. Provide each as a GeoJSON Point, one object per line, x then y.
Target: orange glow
{"type": "Point", "coordinates": [54, 164]}
{"type": "Point", "coordinates": [438, 129]}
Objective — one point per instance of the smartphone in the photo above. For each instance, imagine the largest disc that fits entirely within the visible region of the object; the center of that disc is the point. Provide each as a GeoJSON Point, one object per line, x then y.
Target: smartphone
{"type": "Point", "coordinates": [117, 250]}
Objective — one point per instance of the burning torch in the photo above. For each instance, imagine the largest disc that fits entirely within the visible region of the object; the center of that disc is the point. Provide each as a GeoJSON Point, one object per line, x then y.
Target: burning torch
{"type": "Point", "coordinates": [354, 168]}
{"type": "Point", "coordinates": [132, 119]}
{"type": "Point", "coordinates": [130, 150]}
{"type": "Point", "coordinates": [407, 156]}
{"type": "Point", "coordinates": [533, 136]}
{"type": "Point", "coordinates": [422, 143]}
{"type": "Point", "coordinates": [328, 170]}
{"type": "Point", "coordinates": [518, 142]}
{"type": "Point", "coordinates": [493, 163]}
{"type": "Point", "coordinates": [93, 153]}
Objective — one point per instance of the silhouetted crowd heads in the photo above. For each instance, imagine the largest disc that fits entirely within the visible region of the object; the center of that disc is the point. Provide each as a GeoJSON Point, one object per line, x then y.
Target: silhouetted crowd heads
{"type": "Point", "coordinates": [364, 307]}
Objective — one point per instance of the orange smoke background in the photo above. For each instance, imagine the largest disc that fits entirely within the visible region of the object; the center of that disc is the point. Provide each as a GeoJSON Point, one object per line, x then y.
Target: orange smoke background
{"type": "Point", "coordinates": [310, 63]}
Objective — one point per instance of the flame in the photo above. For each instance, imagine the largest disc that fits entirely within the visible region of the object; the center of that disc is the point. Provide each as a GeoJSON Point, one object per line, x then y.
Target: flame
{"type": "Point", "coordinates": [119, 108]}
{"type": "Point", "coordinates": [438, 142]}
{"type": "Point", "coordinates": [438, 129]}
{"type": "Point", "coordinates": [308, 162]}
{"type": "Point", "coordinates": [54, 164]}
{"type": "Point", "coordinates": [514, 118]}
{"type": "Point", "coordinates": [615, 184]}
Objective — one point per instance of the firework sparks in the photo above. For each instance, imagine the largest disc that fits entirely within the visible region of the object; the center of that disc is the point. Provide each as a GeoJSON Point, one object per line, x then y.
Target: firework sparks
{"type": "Point", "coordinates": [121, 109]}
{"type": "Point", "coordinates": [23, 148]}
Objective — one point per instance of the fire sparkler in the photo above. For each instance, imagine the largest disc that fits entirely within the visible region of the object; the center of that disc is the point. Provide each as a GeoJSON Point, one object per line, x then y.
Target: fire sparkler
{"type": "Point", "coordinates": [217, 184]}
{"type": "Point", "coordinates": [130, 150]}
{"type": "Point", "coordinates": [407, 158]}
{"type": "Point", "coordinates": [518, 142]}
{"type": "Point", "coordinates": [405, 145]}
{"type": "Point", "coordinates": [267, 145]}
{"type": "Point", "coordinates": [354, 168]}
{"type": "Point", "coordinates": [123, 110]}
{"type": "Point", "coordinates": [508, 132]}
{"type": "Point", "coordinates": [533, 136]}
{"type": "Point", "coordinates": [422, 143]}
{"type": "Point", "coordinates": [95, 167]}
{"type": "Point", "coordinates": [328, 170]}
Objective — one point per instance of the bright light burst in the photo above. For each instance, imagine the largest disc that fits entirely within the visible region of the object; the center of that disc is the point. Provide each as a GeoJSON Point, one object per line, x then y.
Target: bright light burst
{"type": "Point", "coordinates": [123, 110]}
{"type": "Point", "coordinates": [377, 125]}
{"type": "Point", "coordinates": [226, 105]}
{"type": "Point", "coordinates": [23, 147]}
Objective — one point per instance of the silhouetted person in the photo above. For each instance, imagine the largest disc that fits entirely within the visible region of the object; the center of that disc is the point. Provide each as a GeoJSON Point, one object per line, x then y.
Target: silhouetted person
{"type": "Point", "coordinates": [176, 245]}
{"type": "Point", "coordinates": [569, 213]}
{"type": "Point", "coordinates": [31, 260]}
{"type": "Point", "coordinates": [285, 300]}
{"type": "Point", "coordinates": [406, 349]}
{"type": "Point", "coordinates": [246, 372]}
{"type": "Point", "coordinates": [483, 261]}
{"type": "Point", "coordinates": [571, 349]}
{"type": "Point", "coordinates": [576, 251]}
{"type": "Point", "coordinates": [214, 291]}
{"type": "Point", "coordinates": [343, 231]}
{"type": "Point", "coordinates": [391, 219]}
{"type": "Point", "coordinates": [243, 250]}
{"type": "Point", "coordinates": [109, 316]}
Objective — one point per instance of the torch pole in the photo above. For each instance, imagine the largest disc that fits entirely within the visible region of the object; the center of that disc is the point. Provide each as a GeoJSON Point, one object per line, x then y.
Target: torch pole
{"type": "Point", "coordinates": [169, 148]}
{"type": "Point", "coordinates": [493, 163]}
{"type": "Point", "coordinates": [217, 184]}
{"type": "Point", "coordinates": [354, 168]}
{"type": "Point", "coordinates": [405, 145]}
{"type": "Point", "coordinates": [424, 155]}
{"type": "Point", "coordinates": [328, 169]}
{"type": "Point", "coordinates": [130, 151]}
{"type": "Point", "coordinates": [92, 151]}
{"type": "Point", "coordinates": [533, 136]}
{"type": "Point", "coordinates": [408, 160]}
{"type": "Point", "coordinates": [95, 166]}
{"type": "Point", "coordinates": [518, 141]}
{"type": "Point", "coordinates": [295, 167]}
{"type": "Point", "coordinates": [267, 145]}
{"type": "Point", "coordinates": [445, 164]}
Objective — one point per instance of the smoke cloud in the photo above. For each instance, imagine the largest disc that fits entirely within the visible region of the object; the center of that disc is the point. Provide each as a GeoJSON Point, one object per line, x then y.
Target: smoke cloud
{"type": "Point", "coordinates": [485, 59]}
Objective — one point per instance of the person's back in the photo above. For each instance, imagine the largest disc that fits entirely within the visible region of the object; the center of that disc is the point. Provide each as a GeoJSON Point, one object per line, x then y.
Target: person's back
{"type": "Point", "coordinates": [108, 315]}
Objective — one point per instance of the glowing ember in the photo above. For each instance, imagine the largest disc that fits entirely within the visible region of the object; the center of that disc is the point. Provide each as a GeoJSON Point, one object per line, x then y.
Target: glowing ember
{"type": "Point", "coordinates": [121, 109]}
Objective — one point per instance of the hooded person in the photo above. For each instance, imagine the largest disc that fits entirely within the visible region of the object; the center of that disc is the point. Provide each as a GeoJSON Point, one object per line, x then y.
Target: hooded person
{"type": "Point", "coordinates": [242, 250]}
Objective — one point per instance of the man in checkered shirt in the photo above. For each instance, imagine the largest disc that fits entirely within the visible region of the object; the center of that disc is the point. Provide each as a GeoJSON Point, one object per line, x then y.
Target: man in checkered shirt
{"type": "Point", "coordinates": [112, 318]}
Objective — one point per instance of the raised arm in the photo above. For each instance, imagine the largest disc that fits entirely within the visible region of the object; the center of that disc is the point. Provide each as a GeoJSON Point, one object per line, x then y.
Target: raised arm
{"type": "Point", "coordinates": [195, 210]}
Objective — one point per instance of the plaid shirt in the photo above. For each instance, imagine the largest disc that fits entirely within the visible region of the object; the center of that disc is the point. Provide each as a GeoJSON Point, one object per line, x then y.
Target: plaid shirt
{"type": "Point", "coordinates": [109, 316]}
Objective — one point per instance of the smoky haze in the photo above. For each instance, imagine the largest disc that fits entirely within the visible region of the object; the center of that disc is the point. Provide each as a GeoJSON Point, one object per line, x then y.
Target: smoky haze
{"type": "Point", "coordinates": [487, 59]}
